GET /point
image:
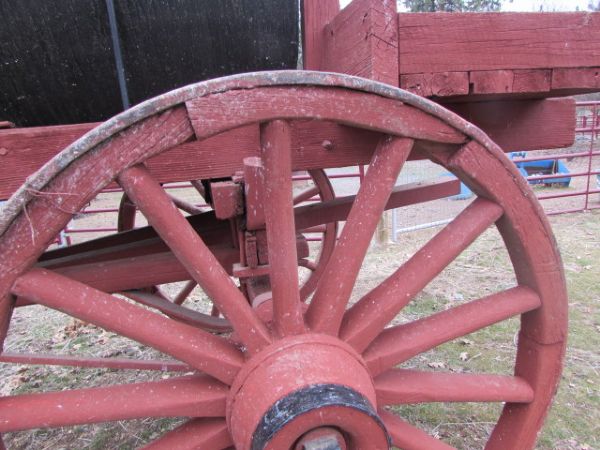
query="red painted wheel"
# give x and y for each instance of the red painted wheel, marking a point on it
(324, 376)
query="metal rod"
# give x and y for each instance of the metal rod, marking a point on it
(114, 34)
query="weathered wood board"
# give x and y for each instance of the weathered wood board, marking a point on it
(466, 56)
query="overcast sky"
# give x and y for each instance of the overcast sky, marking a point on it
(529, 5)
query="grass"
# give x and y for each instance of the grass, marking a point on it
(572, 424)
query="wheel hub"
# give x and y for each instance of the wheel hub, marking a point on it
(305, 392)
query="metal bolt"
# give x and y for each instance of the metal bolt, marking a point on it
(3, 151)
(327, 145)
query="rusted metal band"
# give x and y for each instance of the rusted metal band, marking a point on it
(305, 400)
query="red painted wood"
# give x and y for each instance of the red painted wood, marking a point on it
(187, 290)
(50, 211)
(403, 386)
(409, 437)
(400, 343)
(570, 79)
(316, 14)
(368, 317)
(177, 312)
(214, 114)
(305, 195)
(209, 434)
(209, 353)
(522, 225)
(491, 81)
(362, 40)
(546, 325)
(534, 362)
(138, 272)
(30, 148)
(276, 142)
(404, 195)
(331, 297)
(508, 81)
(227, 199)
(441, 84)
(196, 396)
(523, 124)
(100, 363)
(434, 42)
(194, 255)
(532, 80)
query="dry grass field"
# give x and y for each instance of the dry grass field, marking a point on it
(573, 423)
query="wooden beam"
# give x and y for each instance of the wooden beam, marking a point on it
(316, 14)
(443, 84)
(438, 42)
(362, 40)
(514, 125)
(523, 124)
(566, 80)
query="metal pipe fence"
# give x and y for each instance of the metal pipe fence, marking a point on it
(557, 196)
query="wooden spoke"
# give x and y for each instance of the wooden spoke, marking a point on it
(195, 396)
(306, 195)
(276, 144)
(365, 320)
(126, 216)
(90, 362)
(329, 302)
(185, 292)
(197, 184)
(398, 386)
(186, 315)
(402, 342)
(195, 347)
(310, 265)
(186, 206)
(315, 229)
(199, 261)
(205, 434)
(409, 437)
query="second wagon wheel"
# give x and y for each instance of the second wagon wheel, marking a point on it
(313, 187)
(326, 376)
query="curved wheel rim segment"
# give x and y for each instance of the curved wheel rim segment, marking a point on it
(345, 355)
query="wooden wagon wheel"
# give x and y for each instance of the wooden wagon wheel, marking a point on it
(326, 376)
(320, 189)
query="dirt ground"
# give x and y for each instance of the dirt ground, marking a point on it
(484, 268)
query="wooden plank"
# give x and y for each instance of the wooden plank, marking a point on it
(580, 78)
(438, 42)
(362, 40)
(515, 125)
(534, 80)
(523, 124)
(316, 14)
(213, 114)
(491, 81)
(443, 84)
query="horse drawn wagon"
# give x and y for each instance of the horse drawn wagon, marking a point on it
(282, 362)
